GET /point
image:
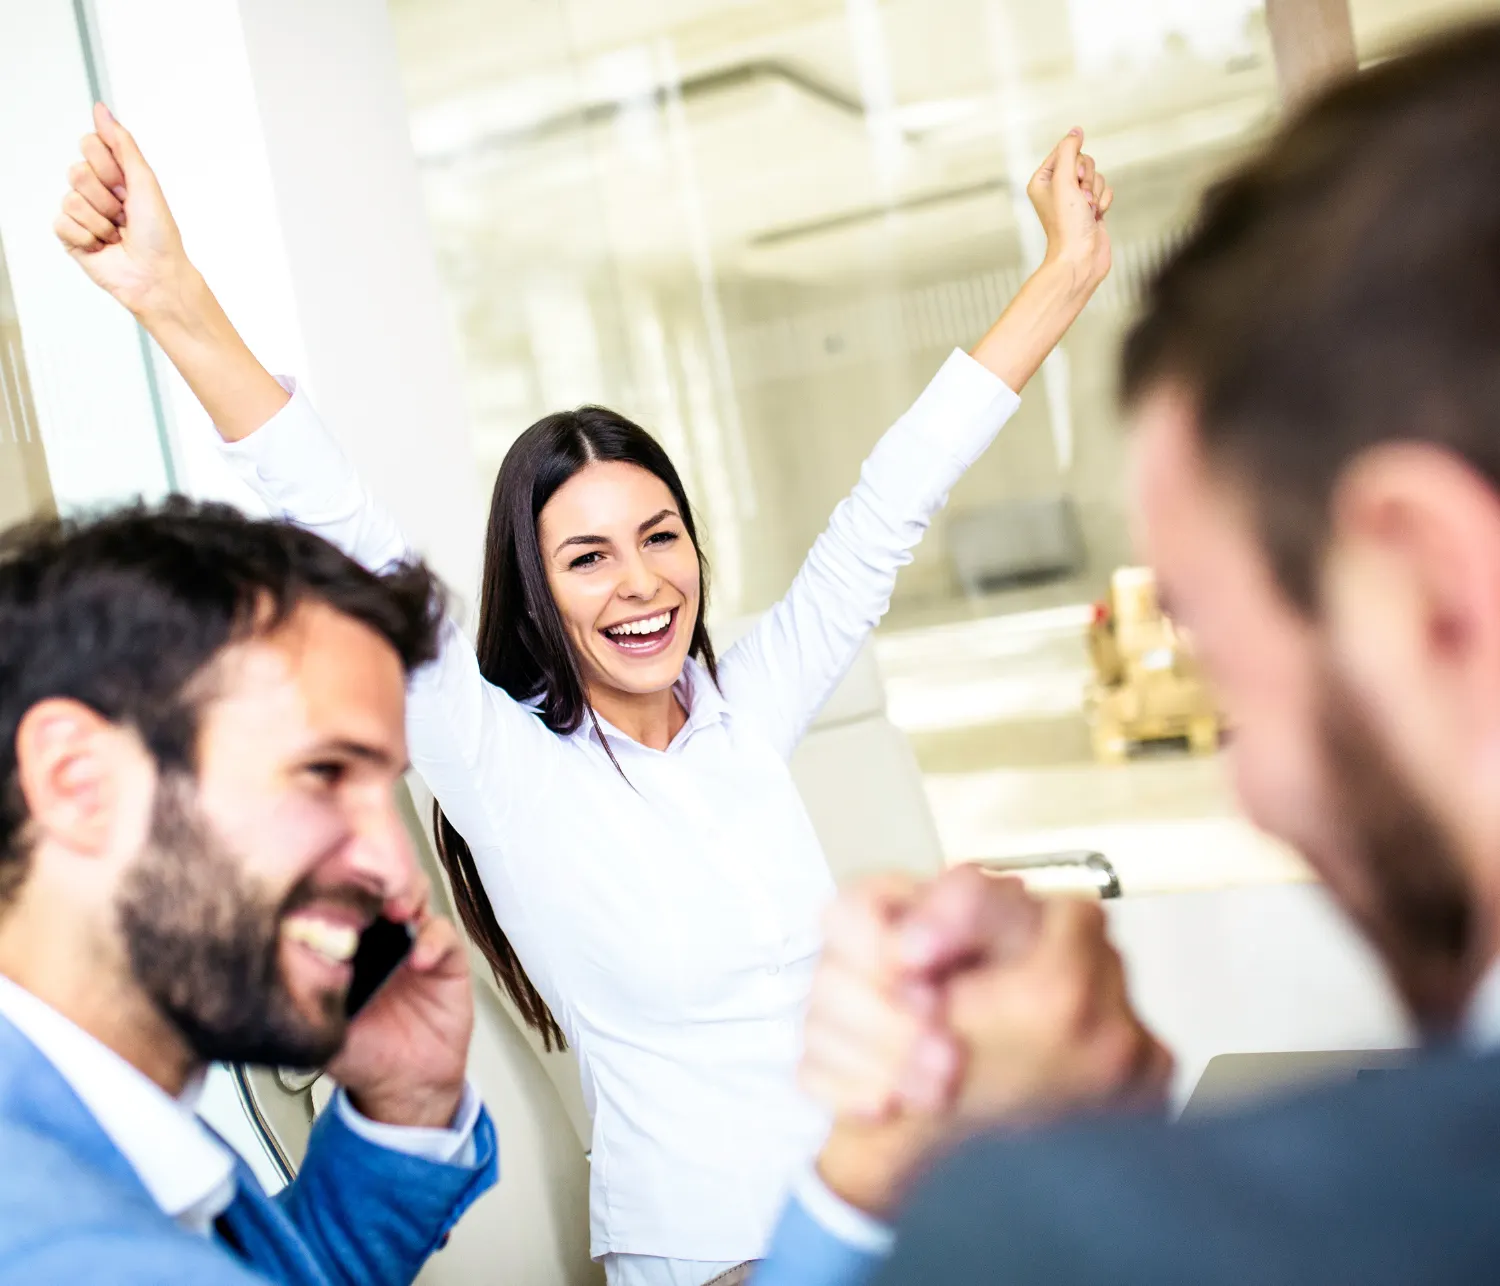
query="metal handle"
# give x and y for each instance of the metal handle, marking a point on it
(294, 1081)
(280, 1161)
(1095, 867)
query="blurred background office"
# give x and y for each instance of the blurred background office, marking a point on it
(756, 226)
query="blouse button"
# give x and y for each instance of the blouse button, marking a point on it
(773, 970)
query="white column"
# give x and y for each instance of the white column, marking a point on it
(278, 129)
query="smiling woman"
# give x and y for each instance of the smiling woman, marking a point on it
(617, 816)
(567, 555)
(591, 541)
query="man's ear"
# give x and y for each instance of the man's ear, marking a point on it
(1413, 594)
(75, 770)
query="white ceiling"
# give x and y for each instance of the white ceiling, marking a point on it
(779, 134)
(805, 139)
(624, 192)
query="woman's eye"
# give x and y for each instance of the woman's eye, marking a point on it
(584, 560)
(662, 538)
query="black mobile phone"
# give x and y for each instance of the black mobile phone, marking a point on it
(382, 948)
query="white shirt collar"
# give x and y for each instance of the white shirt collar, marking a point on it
(696, 690)
(186, 1169)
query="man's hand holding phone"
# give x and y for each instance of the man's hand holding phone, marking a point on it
(404, 1060)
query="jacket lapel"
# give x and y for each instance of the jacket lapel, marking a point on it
(34, 1092)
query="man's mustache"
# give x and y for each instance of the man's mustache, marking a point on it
(362, 901)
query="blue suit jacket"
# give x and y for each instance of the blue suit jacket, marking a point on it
(72, 1210)
(1393, 1181)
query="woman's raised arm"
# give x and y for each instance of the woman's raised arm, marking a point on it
(465, 734)
(116, 224)
(783, 671)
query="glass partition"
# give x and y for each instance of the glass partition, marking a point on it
(25, 489)
(80, 424)
(758, 228)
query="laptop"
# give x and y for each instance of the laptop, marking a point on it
(1234, 1080)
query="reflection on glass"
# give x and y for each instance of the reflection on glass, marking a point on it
(24, 488)
(758, 228)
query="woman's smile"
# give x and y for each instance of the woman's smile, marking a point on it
(626, 579)
(644, 636)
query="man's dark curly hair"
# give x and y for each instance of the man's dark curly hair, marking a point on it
(122, 612)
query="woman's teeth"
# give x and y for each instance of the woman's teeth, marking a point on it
(651, 625)
(334, 942)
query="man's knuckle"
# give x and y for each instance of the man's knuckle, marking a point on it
(1073, 1009)
(1090, 915)
(1061, 1001)
(903, 1031)
(1122, 1050)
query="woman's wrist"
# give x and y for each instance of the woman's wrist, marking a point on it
(195, 333)
(1047, 304)
(1070, 274)
(181, 309)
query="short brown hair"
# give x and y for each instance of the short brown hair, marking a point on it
(1342, 290)
(121, 612)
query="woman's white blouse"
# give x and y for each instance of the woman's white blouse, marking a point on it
(672, 922)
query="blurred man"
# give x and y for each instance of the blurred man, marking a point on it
(201, 730)
(1316, 385)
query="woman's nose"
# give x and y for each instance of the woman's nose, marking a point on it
(639, 580)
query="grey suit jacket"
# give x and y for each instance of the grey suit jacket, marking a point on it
(1392, 1181)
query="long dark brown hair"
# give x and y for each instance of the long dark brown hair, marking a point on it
(523, 645)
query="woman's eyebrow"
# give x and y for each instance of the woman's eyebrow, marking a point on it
(581, 540)
(604, 540)
(651, 522)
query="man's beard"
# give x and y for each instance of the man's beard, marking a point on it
(204, 944)
(1415, 904)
